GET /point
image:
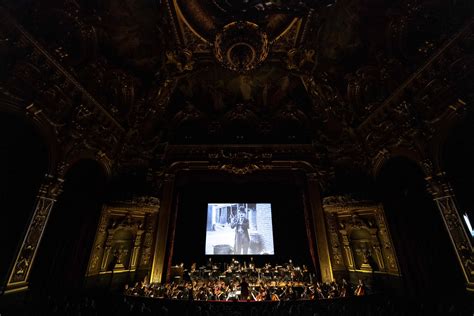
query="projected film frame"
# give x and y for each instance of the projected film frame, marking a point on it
(239, 229)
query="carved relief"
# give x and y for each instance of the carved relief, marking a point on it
(412, 114)
(301, 60)
(148, 239)
(47, 195)
(124, 236)
(443, 195)
(179, 62)
(362, 230)
(241, 46)
(239, 162)
(366, 89)
(336, 250)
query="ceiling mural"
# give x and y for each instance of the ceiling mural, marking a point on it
(125, 79)
(261, 102)
(208, 17)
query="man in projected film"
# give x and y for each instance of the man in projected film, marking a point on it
(242, 238)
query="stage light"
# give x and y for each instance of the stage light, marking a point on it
(468, 223)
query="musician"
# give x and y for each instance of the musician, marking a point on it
(242, 238)
(360, 289)
(251, 264)
(244, 290)
(289, 265)
(333, 290)
(262, 294)
(319, 291)
(274, 296)
(209, 264)
(345, 289)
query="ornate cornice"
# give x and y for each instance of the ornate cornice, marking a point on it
(239, 162)
(144, 203)
(80, 124)
(340, 202)
(399, 115)
(27, 39)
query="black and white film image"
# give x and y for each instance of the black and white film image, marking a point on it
(239, 229)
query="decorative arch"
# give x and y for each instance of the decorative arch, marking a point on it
(385, 155)
(31, 114)
(239, 161)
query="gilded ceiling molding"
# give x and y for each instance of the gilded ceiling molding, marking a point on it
(80, 126)
(240, 163)
(444, 127)
(289, 33)
(182, 19)
(28, 39)
(205, 17)
(424, 74)
(241, 46)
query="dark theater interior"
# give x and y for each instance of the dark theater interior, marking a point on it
(237, 157)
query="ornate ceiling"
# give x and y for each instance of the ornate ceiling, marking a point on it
(128, 80)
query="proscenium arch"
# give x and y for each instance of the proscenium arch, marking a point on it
(312, 203)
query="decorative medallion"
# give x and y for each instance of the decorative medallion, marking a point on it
(241, 46)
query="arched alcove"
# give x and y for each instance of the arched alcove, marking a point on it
(360, 241)
(24, 163)
(64, 251)
(426, 257)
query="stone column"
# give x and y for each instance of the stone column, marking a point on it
(136, 249)
(149, 236)
(319, 227)
(334, 243)
(376, 248)
(107, 250)
(347, 250)
(98, 249)
(157, 270)
(444, 198)
(385, 243)
(21, 269)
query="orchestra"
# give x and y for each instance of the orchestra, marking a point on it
(245, 282)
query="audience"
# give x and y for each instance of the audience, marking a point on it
(134, 305)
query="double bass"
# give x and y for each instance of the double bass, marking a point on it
(360, 289)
